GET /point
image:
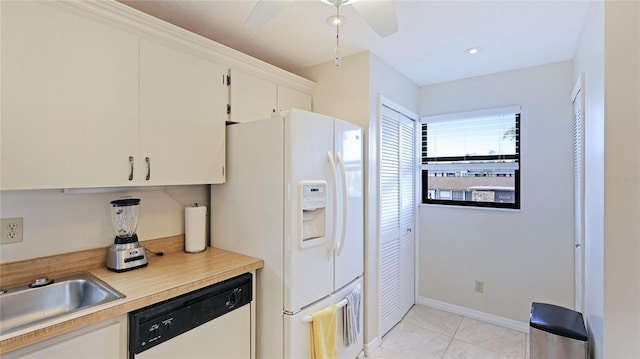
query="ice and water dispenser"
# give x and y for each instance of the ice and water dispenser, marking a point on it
(313, 214)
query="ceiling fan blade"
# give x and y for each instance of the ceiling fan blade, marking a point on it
(265, 11)
(379, 14)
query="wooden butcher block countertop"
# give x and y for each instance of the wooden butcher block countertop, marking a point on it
(165, 277)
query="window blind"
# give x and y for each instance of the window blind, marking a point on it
(472, 139)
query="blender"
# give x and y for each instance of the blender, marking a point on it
(126, 253)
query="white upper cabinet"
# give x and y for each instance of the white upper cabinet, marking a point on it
(86, 103)
(97, 94)
(183, 109)
(252, 98)
(69, 110)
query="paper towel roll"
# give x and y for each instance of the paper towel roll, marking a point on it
(195, 219)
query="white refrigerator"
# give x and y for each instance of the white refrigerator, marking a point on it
(294, 197)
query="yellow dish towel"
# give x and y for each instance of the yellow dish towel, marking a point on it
(323, 334)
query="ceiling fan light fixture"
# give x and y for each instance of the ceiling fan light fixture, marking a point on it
(336, 20)
(336, 2)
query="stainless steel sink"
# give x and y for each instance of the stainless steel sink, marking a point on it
(28, 304)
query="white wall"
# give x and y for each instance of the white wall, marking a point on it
(622, 180)
(351, 92)
(522, 256)
(342, 91)
(388, 82)
(56, 223)
(609, 59)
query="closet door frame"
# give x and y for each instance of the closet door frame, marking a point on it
(385, 102)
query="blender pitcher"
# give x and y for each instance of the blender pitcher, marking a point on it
(124, 216)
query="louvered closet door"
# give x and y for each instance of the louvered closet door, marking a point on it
(407, 254)
(397, 211)
(578, 156)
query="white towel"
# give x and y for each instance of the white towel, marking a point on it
(351, 318)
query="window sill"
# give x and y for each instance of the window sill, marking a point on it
(433, 205)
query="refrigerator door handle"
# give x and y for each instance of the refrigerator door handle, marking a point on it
(334, 175)
(343, 175)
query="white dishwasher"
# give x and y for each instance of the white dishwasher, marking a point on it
(212, 322)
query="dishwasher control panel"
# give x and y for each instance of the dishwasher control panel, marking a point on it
(162, 321)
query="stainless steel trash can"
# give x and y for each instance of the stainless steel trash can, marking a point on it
(556, 332)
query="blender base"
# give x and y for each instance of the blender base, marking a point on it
(125, 257)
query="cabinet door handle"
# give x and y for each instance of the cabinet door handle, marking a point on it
(148, 160)
(130, 168)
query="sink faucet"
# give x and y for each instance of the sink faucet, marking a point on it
(40, 282)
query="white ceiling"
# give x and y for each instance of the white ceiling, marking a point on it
(428, 48)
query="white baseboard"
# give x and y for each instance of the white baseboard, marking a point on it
(475, 314)
(371, 347)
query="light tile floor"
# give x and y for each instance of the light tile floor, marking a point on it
(427, 333)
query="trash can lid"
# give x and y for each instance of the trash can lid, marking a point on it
(558, 320)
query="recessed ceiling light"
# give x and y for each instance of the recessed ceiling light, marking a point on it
(336, 20)
(473, 50)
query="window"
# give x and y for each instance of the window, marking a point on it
(472, 158)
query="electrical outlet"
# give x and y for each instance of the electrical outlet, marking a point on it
(11, 230)
(479, 286)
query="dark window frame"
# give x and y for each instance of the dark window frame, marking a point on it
(467, 203)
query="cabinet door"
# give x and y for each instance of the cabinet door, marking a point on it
(105, 340)
(182, 116)
(251, 98)
(69, 111)
(288, 99)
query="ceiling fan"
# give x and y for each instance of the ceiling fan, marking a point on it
(378, 14)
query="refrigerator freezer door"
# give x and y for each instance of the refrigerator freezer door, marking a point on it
(308, 270)
(297, 330)
(349, 255)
